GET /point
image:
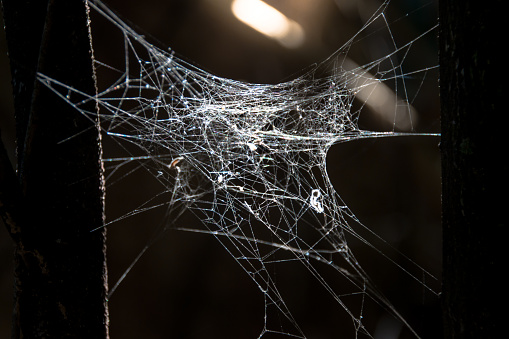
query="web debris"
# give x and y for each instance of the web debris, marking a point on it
(248, 159)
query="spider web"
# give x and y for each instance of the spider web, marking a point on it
(250, 161)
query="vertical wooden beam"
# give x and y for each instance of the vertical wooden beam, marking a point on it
(473, 93)
(60, 265)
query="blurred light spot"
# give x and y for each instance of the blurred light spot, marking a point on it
(269, 21)
(387, 328)
(381, 98)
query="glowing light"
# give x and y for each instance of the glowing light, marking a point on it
(381, 98)
(269, 21)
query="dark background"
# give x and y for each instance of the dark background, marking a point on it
(187, 285)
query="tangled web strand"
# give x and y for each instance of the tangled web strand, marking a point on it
(248, 159)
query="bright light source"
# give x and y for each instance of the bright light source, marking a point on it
(269, 21)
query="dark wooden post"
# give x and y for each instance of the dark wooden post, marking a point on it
(473, 90)
(57, 199)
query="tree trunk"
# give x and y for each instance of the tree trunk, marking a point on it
(474, 171)
(60, 265)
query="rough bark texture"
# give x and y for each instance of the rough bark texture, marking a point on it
(474, 174)
(60, 265)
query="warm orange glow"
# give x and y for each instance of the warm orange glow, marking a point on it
(269, 21)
